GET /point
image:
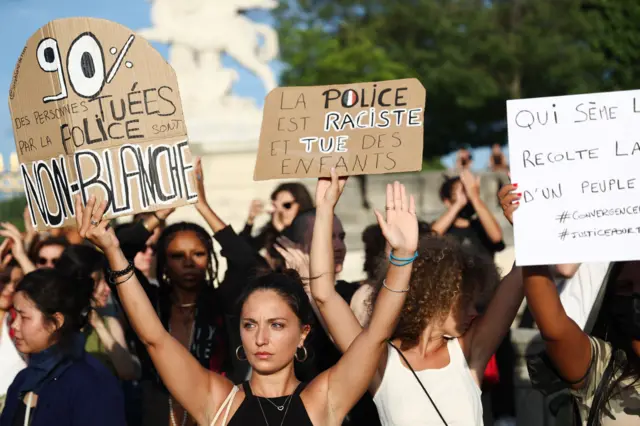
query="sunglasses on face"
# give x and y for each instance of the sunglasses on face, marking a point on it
(45, 261)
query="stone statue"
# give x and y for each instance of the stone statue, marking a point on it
(198, 33)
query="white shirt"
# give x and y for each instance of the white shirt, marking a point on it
(10, 360)
(579, 293)
(402, 402)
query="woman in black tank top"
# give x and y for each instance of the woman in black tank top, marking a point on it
(284, 410)
(275, 319)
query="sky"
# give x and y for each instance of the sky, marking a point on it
(19, 19)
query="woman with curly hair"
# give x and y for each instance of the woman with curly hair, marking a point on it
(431, 371)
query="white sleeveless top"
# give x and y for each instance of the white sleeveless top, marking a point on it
(402, 402)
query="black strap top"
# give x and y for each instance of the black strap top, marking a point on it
(258, 411)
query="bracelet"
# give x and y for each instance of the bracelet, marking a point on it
(115, 274)
(157, 217)
(384, 284)
(117, 283)
(399, 261)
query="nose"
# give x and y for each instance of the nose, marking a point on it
(262, 336)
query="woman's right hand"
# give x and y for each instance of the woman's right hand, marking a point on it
(509, 200)
(92, 226)
(12, 233)
(328, 190)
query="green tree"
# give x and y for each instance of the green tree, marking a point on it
(471, 55)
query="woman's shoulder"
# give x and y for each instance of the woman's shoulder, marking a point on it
(88, 372)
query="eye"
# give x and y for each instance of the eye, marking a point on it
(175, 256)
(200, 253)
(248, 325)
(277, 325)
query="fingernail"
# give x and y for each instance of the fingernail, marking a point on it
(515, 185)
(519, 194)
(516, 202)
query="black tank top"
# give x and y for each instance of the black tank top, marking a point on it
(257, 411)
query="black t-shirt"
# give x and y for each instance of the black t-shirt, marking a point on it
(476, 238)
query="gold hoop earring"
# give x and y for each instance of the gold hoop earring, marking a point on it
(305, 354)
(238, 354)
(165, 278)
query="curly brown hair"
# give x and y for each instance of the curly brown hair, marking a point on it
(444, 275)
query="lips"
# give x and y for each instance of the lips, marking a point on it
(263, 355)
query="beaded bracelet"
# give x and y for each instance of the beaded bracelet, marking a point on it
(117, 283)
(115, 274)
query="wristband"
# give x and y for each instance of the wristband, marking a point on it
(115, 274)
(400, 261)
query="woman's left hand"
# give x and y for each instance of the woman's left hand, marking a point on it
(202, 196)
(293, 256)
(92, 226)
(400, 228)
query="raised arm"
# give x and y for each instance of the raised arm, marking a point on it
(487, 333)
(567, 345)
(342, 325)
(444, 222)
(349, 379)
(200, 391)
(489, 223)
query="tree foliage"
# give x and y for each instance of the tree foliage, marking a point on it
(471, 55)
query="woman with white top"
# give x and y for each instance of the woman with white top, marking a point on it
(432, 368)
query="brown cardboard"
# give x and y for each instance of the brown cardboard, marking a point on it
(89, 93)
(292, 115)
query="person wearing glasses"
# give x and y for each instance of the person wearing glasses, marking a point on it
(287, 201)
(47, 252)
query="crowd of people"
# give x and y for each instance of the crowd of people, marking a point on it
(132, 323)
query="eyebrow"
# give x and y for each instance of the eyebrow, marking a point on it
(269, 320)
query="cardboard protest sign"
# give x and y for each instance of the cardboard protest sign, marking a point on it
(363, 128)
(575, 160)
(96, 110)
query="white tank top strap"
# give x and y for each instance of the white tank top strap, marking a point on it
(226, 407)
(456, 353)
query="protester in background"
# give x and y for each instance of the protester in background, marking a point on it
(497, 160)
(45, 253)
(276, 319)
(104, 334)
(62, 384)
(287, 200)
(602, 370)
(467, 218)
(438, 328)
(464, 160)
(11, 361)
(145, 260)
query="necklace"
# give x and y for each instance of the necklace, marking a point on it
(185, 415)
(185, 305)
(287, 402)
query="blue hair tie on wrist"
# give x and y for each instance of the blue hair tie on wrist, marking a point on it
(400, 261)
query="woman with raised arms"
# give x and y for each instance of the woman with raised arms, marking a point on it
(431, 371)
(275, 320)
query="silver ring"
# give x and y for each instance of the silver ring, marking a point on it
(94, 222)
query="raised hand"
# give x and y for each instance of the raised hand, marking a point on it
(92, 226)
(509, 200)
(202, 197)
(163, 214)
(12, 233)
(293, 256)
(460, 196)
(400, 228)
(470, 183)
(328, 190)
(255, 209)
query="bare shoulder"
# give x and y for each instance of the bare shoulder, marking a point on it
(315, 398)
(220, 395)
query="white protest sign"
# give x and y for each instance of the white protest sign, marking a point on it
(576, 162)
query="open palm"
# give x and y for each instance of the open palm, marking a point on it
(400, 228)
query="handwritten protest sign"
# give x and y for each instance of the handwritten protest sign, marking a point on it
(575, 160)
(364, 128)
(96, 110)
